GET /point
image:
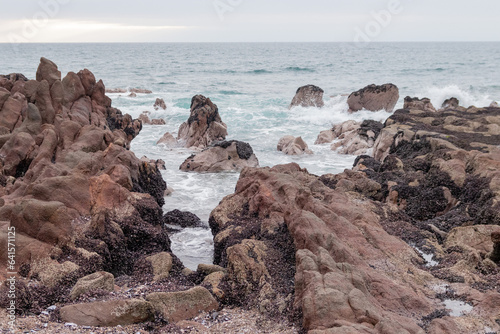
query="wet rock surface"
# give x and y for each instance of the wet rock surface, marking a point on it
(221, 156)
(204, 125)
(336, 252)
(291, 145)
(354, 138)
(308, 96)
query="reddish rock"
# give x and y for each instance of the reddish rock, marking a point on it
(204, 125)
(221, 156)
(47, 70)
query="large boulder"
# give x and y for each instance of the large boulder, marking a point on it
(374, 98)
(308, 96)
(177, 306)
(204, 125)
(293, 146)
(108, 313)
(222, 156)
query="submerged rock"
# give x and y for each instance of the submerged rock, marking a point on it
(204, 125)
(221, 156)
(374, 98)
(308, 96)
(159, 103)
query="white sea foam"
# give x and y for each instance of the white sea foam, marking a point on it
(439, 94)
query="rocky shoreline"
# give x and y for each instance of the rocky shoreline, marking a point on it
(294, 252)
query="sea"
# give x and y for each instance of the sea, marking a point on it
(253, 85)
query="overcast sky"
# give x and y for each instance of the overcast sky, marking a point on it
(248, 20)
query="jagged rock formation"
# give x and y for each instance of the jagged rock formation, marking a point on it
(204, 125)
(374, 98)
(337, 251)
(308, 96)
(79, 199)
(221, 156)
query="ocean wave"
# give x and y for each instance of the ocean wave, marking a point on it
(299, 69)
(230, 92)
(466, 97)
(260, 71)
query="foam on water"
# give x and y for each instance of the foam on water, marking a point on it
(466, 97)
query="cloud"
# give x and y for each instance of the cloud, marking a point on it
(61, 30)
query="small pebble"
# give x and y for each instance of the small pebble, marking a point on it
(51, 308)
(70, 324)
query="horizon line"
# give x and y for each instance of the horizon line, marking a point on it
(254, 42)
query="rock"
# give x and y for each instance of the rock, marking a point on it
(168, 140)
(162, 264)
(308, 96)
(207, 269)
(140, 91)
(221, 156)
(67, 176)
(495, 254)
(158, 121)
(100, 280)
(176, 306)
(144, 117)
(132, 94)
(204, 125)
(325, 137)
(115, 90)
(312, 252)
(182, 219)
(493, 104)
(213, 282)
(477, 237)
(374, 98)
(51, 273)
(451, 103)
(419, 104)
(159, 103)
(47, 70)
(108, 313)
(293, 146)
(88, 81)
(354, 138)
